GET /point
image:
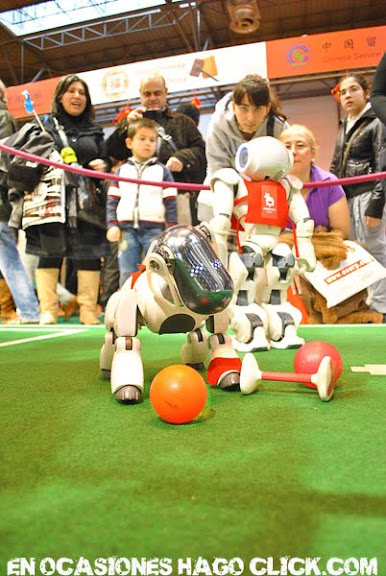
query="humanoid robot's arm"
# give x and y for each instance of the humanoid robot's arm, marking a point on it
(223, 183)
(305, 258)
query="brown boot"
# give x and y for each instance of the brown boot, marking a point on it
(46, 284)
(7, 305)
(88, 291)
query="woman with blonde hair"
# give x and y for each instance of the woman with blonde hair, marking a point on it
(327, 205)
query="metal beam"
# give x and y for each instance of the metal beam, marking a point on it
(108, 27)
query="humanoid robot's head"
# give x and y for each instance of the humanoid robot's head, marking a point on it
(188, 264)
(264, 158)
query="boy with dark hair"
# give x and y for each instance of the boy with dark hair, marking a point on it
(138, 213)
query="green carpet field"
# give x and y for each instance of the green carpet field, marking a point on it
(257, 485)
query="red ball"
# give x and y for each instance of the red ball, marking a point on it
(309, 356)
(178, 394)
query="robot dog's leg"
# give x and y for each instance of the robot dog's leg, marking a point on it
(248, 319)
(224, 367)
(108, 348)
(121, 352)
(283, 318)
(195, 351)
(127, 379)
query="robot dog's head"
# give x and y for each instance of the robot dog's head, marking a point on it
(264, 158)
(203, 284)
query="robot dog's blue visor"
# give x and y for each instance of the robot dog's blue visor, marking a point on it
(203, 283)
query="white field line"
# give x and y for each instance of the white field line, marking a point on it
(44, 337)
(373, 369)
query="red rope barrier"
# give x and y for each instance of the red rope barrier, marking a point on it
(179, 185)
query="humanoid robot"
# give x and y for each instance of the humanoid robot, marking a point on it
(262, 198)
(183, 285)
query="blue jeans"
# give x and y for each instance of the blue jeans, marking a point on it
(15, 275)
(374, 240)
(133, 247)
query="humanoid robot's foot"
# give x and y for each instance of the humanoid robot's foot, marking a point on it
(230, 382)
(249, 324)
(259, 343)
(128, 395)
(289, 340)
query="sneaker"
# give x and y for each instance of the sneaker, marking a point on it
(18, 320)
(48, 318)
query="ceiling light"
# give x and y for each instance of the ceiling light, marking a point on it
(244, 15)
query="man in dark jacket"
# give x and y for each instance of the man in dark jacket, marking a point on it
(180, 145)
(13, 276)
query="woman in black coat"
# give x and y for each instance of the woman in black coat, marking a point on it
(82, 235)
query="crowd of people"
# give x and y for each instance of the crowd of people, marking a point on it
(86, 236)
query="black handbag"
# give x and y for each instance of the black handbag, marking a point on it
(91, 201)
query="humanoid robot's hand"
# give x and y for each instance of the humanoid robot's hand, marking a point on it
(306, 261)
(220, 225)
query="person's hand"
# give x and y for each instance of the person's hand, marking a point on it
(372, 222)
(98, 165)
(174, 164)
(135, 114)
(113, 234)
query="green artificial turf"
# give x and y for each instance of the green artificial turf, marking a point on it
(277, 473)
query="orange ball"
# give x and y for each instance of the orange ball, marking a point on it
(178, 394)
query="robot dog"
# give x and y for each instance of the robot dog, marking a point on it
(262, 199)
(182, 285)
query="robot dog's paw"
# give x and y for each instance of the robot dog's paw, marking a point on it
(224, 373)
(197, 366)
(230, 382)
(128, 395)
(106, 374)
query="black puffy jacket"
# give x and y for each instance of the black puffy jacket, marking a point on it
(364, 158)
(187, 143)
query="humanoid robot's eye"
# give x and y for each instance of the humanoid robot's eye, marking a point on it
(243, 157)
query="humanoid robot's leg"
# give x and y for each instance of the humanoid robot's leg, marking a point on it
(249, 324)
(283, 318)
(248, 319)
(195, 351)
(283, 323)
(224, 367)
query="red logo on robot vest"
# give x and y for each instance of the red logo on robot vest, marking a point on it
(267, 203)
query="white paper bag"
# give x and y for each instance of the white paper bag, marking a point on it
(354, 274)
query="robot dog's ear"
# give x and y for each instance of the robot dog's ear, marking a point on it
(160, 261)
(206, 230)
(168, 256)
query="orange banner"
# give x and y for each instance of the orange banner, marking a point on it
(362, 48)
(41, 94)
(345, 50)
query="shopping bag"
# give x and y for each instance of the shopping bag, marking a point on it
(357, 272)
